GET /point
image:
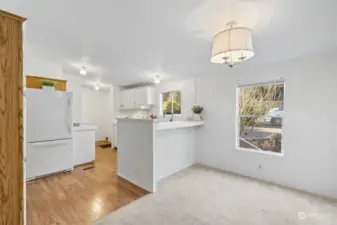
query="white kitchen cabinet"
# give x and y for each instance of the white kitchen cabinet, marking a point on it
(132, 97)
(150, 96)
(124, 99)
(141, 97)
(84, 144)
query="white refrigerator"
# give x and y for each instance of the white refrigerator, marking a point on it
(49, 132)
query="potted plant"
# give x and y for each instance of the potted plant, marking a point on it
(46, 84)
(197, 110)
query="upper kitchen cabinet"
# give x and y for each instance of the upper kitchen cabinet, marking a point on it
(136, 98)
(124, 98)
(139, 96)
(35, 82)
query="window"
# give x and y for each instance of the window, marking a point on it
(260, 117)
(171, 102)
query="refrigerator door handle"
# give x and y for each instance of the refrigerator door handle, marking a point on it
(49, 143)
(67, 116)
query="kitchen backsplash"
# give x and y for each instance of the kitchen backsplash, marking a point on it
(133, 113)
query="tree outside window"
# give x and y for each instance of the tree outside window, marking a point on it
(171, 102)
(261, 117)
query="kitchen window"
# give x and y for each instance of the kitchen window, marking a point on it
(171, 103)
(260, 110)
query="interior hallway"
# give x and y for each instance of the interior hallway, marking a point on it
(82, 196)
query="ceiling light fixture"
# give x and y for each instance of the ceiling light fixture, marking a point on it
(97, 87)
(156, 79)
(83, 70)
(232, 46)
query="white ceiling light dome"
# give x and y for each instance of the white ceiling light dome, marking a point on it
(232, 46)
(83, 70)
(156, 79)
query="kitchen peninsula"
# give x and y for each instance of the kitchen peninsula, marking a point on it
(150, 150)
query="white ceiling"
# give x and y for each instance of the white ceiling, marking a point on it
(124, 41)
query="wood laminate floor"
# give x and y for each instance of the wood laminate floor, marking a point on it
(82, 196)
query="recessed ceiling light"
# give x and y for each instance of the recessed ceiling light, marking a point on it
(83, 70)
(96, 87)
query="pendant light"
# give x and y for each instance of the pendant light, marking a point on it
(232, 46)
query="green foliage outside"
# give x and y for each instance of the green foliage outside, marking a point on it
(258, 101)
(172, 99)
(47, 83)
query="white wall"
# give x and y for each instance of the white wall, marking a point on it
(136, 152)
(309, 129)
(36, 65)
(97, 108)
(175, 150)
(88, 105)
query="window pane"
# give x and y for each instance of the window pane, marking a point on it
(263, 93)
(262, 100)
(176, 103)
(167, 103)
(171, 103)
(260, 133)
(257, 108)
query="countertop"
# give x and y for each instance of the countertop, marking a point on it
(135, 118)
(161, 124)
(178, 124)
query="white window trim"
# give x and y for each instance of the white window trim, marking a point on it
(161, 103)
(237, 118)
(260, 151)
(267, 83)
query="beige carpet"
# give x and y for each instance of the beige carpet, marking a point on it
(200, 195)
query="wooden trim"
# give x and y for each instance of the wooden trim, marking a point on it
(100, 142)
(46, 78)
(11, 117)
(103, 143)
(12, 16)
(35, 82)
(85, 164)
(21, 124)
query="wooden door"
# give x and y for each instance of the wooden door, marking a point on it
(11, 125)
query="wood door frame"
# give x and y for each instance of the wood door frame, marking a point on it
(11, 115)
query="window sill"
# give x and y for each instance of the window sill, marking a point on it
(261, 152)
(169, 115)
